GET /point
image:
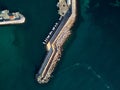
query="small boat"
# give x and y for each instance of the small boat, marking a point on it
(11, 18)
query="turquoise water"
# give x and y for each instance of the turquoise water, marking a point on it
(90, 60)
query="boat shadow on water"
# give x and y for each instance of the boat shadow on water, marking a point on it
(2, 6)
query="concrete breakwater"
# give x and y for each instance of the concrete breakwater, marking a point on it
(56, 39)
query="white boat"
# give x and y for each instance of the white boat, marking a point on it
(11, 18)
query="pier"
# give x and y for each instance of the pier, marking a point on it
(56, 38)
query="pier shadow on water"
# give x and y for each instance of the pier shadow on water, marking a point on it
(74, 29)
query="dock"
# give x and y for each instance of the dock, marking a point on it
(56, 38)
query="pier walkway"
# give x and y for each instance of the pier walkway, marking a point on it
(54, 45)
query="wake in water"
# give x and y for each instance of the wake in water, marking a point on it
(98, 76)
(88, 68)
(74, 66)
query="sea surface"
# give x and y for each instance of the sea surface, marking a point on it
(91, 56)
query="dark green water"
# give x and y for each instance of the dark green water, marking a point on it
(90, 60)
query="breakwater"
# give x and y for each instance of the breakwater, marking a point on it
(56, 39)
